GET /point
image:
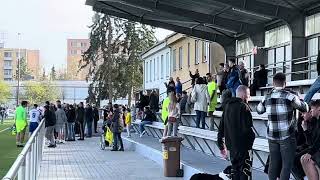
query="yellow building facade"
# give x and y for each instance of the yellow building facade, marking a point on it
(189, 54)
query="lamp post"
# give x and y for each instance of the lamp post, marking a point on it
(18, 76)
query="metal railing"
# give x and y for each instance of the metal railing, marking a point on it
(27, 164)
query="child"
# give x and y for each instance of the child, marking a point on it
(128, 121)
(174, 114)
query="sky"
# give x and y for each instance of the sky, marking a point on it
(46, 24)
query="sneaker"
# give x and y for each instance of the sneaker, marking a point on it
(114, 150)
(143, 133)
(226, 174)
(51, 146)
(121, 149)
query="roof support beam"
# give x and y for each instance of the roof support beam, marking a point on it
(221, 39)
(228, 24)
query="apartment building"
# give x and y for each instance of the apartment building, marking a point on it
(75, 49)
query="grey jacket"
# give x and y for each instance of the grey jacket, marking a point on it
(61, 117)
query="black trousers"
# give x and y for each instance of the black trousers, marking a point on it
(241, 165)
(117, 139)
(95, 125)
(81, 129)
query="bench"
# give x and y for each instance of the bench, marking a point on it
(206, 141)
(155, 129)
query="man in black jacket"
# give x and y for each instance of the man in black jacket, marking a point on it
(236, 128)
(95, 118)
(89, 119)
(310, 161)
(50, 122)
(149, 117)
(71, 117)
(80, 120)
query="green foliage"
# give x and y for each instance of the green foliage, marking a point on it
(5, 92)
(25, 73)
(39, 92)
(114, 61)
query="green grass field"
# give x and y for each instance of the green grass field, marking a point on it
(8, 148)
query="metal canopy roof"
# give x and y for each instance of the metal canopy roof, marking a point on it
(222, 21)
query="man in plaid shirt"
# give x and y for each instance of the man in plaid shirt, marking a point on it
(280, 105)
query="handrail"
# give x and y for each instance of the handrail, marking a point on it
(27, 164)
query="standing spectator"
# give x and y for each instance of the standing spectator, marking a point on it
(95, 118)
(316, 85)
(173, 117)
(233, 79)
(165, 113)
(260, 79)
(117, 128)
(71, 117)
(21, 123)
(154, 101)
(221, 76)
(61, 120)
(128, 121)
(149, 117)
(201, 99)
(244, 74)
(170, 85)
(212, 90)
(279, 105)
(80, 120)
(89, 119)
(178, 86)
(236, 127)
(194, 77)
(2, 113)
(143, 101)
(183, 102)
(34, 116)
(50, 122)
(310, 161)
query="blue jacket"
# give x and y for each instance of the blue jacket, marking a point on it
(233, 80)
(179, 88)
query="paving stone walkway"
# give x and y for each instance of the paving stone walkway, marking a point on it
(84, 160)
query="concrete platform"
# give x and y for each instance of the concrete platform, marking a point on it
(84, 160)
(192, 161)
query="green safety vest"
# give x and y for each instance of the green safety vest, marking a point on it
(212, 86)
(165, 111)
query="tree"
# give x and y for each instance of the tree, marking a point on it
(44, 76)
(5, 92)
(25, 73)
(53, 74)
(113, 57)
(39, 92)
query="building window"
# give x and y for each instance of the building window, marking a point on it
(167, 65)
(73, 52)
(312, 24)
(7, 72)
(277, 36)
(180, 57)
(150, 69)
(146, 71)
(174, 60)
(7, 54)
(73, 44)
(154, 69)
(205, 51)
(244, 46)
(7, 63)
(188, 54)
(158, 68)
(83, 44)
(162, 67)
(196, 52)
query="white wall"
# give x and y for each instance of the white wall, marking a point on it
(156, 69)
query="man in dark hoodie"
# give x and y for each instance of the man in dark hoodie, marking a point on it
(236, 128)
(316, 85)
(50, 122)
(80, 120)
(89, 119)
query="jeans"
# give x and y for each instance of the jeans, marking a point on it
(117, 139)
(201, 116)
(89, 128)
(313, 90)
(141, 125)
(282, 155)
(173, 128)
(70, 131)
(241, 165)
(49, 134)
(81, 129)
(233, 92)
